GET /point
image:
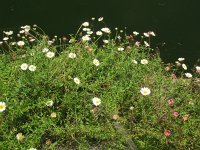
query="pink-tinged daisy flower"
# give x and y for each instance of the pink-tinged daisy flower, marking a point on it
(137, 43)
(151, 33)
(171, 101)
(167, 132)
(176, 114)
(198, 69)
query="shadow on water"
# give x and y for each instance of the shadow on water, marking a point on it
(175, 22)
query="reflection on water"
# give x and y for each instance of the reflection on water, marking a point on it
(175, 22)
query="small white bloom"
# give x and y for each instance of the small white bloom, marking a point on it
(198, 68)
(20, 43)
(99, 33)
(184, 66)
(145, 91)
(8, 33)
(181, 59)
(32, 68)
(106, 30)
(137, 43)
(135, 62)
(86, 38)
(45, 50)
(151, 33)
(24, 66)
(26, 28)
(2, 106)
(93, 18)
(100, 19)
(106, 41)
(146, 44)
(144, 61)
(50, 54)
(131, 108)
(120, 49)
(1, 42)
(188, 75)
(21, 32)
(49, 103)
(32, 40)
(76, 80)
(96, 62)
(19, 136)
(146, 34)
(86, 29)
(72, 55)
(116, 28)
(135, 33)
(32, 149)
(121, 31)
(89, 32)
(96, 101)
(85, 24)
(50, 42)
(13, 43)
(6, 38)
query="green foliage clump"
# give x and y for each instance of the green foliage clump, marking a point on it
(53, 111)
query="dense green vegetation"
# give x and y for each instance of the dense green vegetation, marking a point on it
(87, 93)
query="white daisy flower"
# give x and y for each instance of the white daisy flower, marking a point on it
(146, 34)
(89, 32)
(32, 68)
(50, 54)
(1, 42)
(76, 80)
(24, 66)
(146, 44)
(86, 24)
(145, 91)
(32, 149)
(13, 43)
(19, 136)
(144, 61)
(45, 50)
(188, 75)
(53, 115)
(135, 62)
(96, 101)
(50, 42)
(93, 18)
(8, 33)
(20, 43)
(21, 32)
(106, 30)
(86, 29)
(181, 59)
(100, 19)
(86, 38)
(151, 33)
(120, 49)
(99, 33)
(135, 33)
(96, 62)
(184, 66)
(198, 68)
(49, 103)
(5, 38)
(106, 41)
(72, 55)
(2, 106)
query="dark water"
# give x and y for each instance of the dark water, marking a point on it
(176, 22)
